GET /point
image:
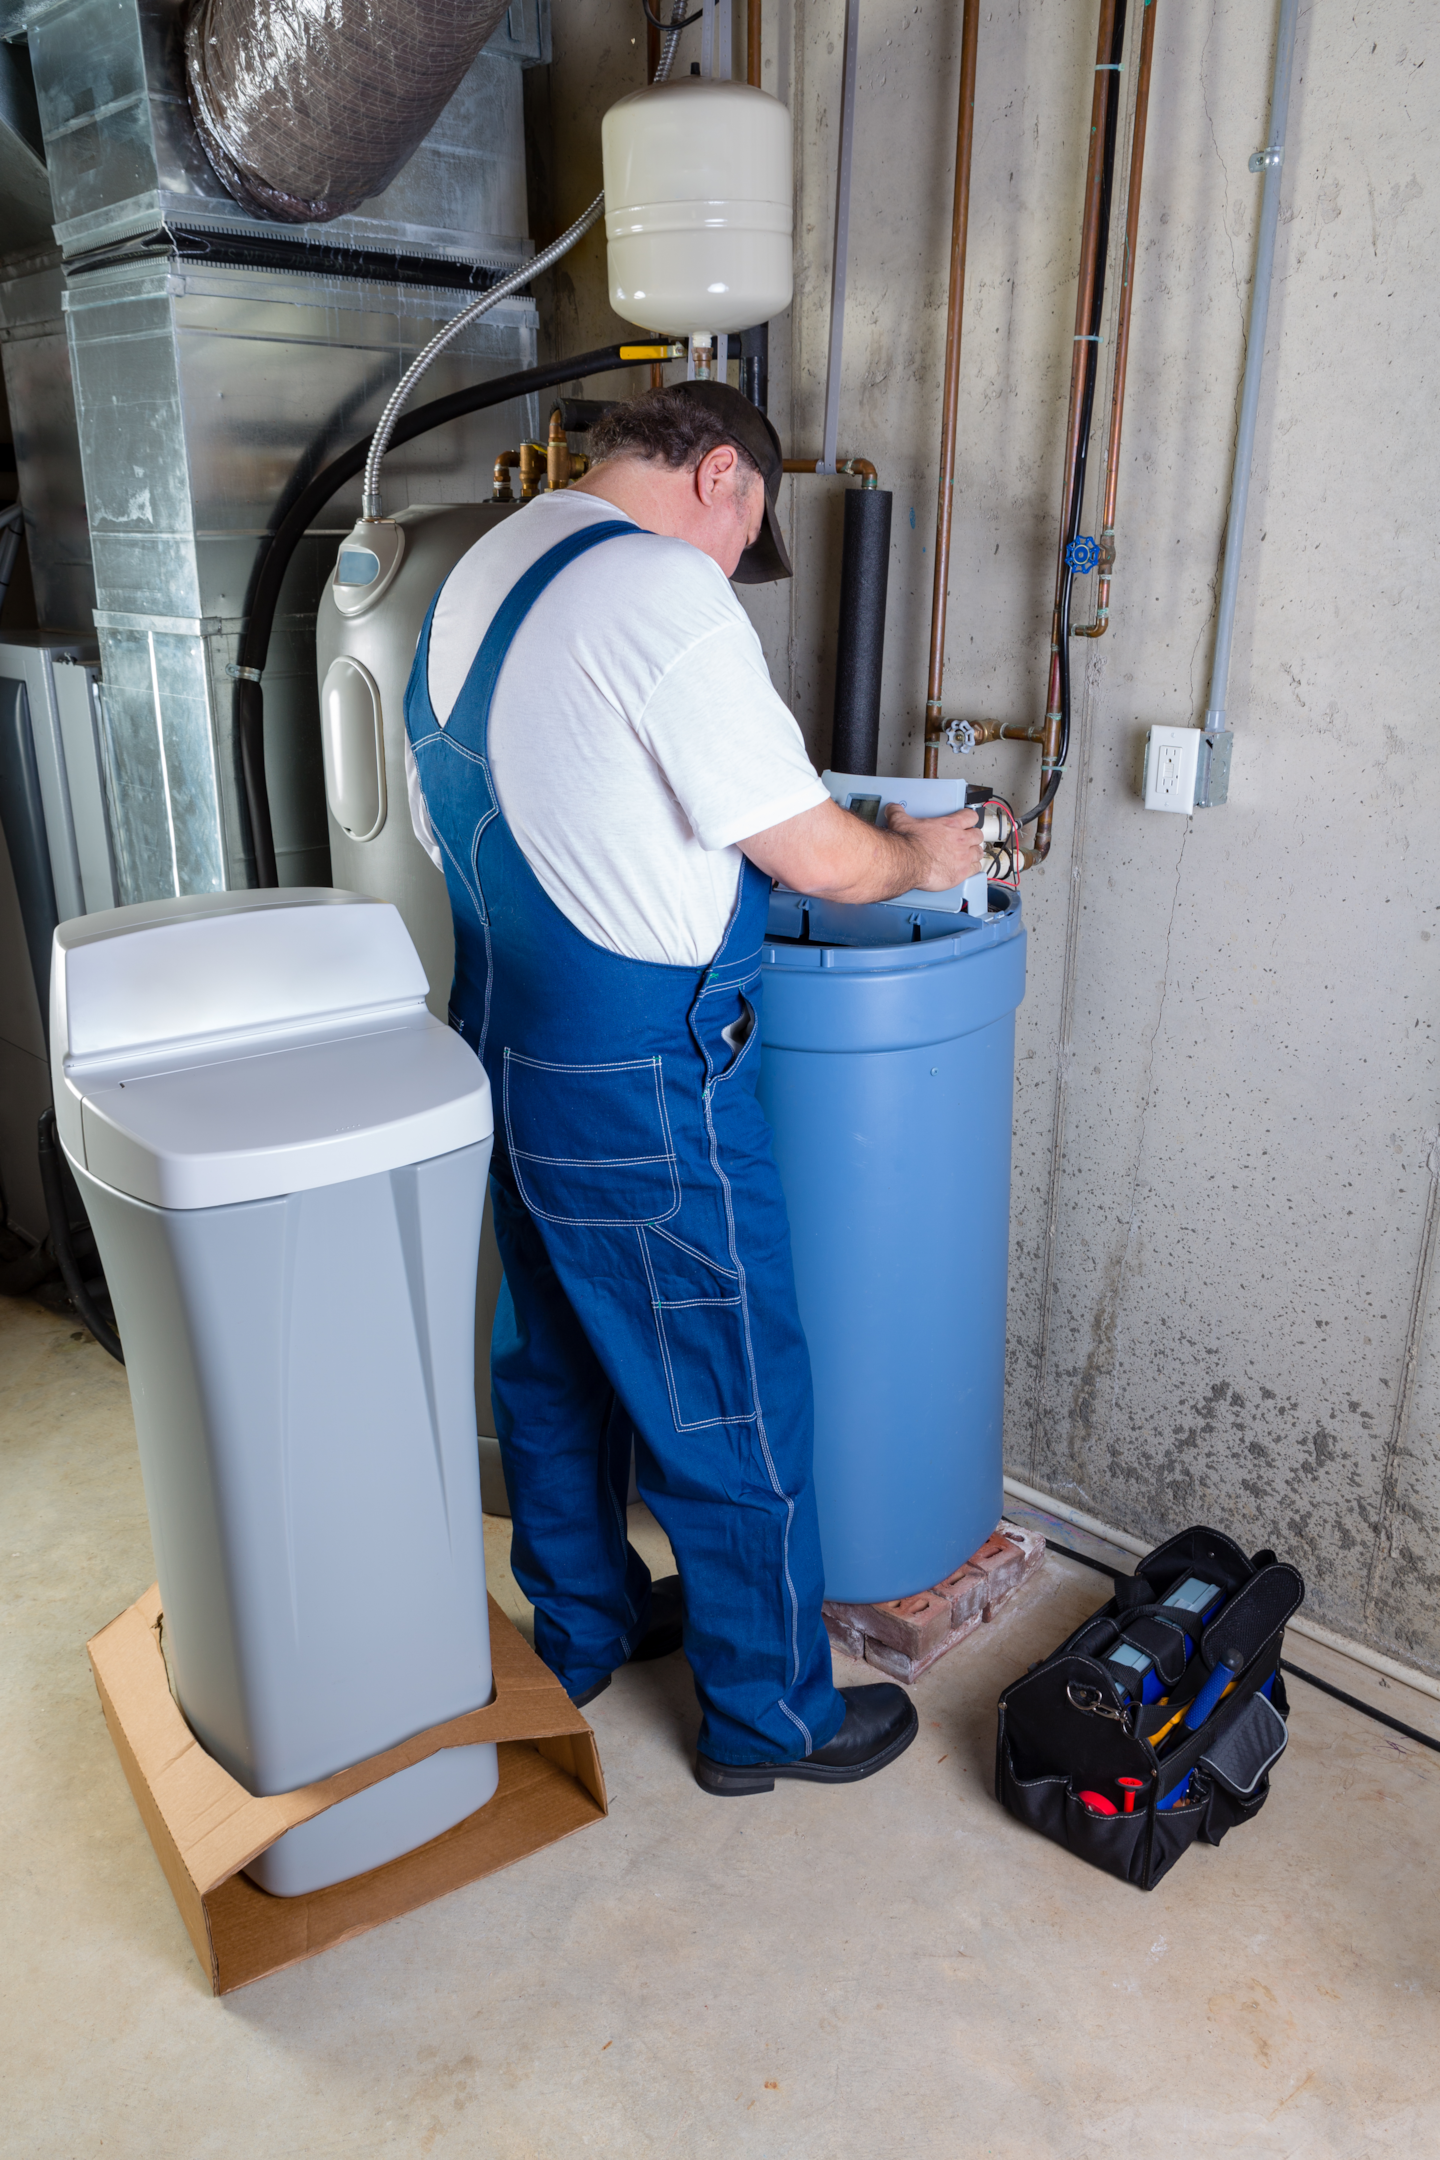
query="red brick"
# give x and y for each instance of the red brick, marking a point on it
(845, 1632)
(966, 1590)
(911, 1625)
(1019, 1553)
(1003, 1566)
(900, 1667)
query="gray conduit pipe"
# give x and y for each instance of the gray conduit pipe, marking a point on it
(1214, 777)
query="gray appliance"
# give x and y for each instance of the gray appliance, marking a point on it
(55, 860)
(284, 1157)
(365, 636)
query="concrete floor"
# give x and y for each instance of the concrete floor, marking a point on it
(889, 1969)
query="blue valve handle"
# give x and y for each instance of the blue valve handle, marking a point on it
(1213, 1689)
(1082, 555)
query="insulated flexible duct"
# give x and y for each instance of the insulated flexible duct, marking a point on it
(864, 575)
(305, 112)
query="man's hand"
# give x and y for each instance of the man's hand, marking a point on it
(834, 855)
(950, 847)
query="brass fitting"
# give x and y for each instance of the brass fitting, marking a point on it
(562, 464)
(532, 470)
(557, 452)
(1102, 595)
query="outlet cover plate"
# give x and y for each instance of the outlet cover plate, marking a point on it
(1172, 761)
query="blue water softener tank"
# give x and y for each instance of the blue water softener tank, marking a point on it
(888, 1079)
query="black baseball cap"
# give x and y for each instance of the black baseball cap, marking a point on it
(745, 425)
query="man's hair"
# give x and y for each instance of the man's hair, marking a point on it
(669, 429)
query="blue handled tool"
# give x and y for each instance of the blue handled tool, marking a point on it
(1216, 1683)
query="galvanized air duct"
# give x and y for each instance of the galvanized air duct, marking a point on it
(306, 112)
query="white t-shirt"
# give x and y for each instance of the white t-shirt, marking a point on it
(635, 735)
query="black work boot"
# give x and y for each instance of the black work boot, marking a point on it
(880, 1723)
(661, 1638)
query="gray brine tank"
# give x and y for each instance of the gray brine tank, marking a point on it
(284, 1159)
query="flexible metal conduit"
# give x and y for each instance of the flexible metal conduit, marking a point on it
(370, 502)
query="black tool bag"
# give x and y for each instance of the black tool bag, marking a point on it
(1067, 1727)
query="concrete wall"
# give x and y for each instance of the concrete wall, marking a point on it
(1227, 1158)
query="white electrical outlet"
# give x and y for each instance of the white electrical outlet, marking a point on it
(1172, 759)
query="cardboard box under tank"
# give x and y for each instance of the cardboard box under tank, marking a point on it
(205, 1827)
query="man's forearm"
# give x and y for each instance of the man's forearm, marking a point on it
(835, 855)
(887, 865)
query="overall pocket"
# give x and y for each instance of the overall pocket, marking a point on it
(591, 1144)
(700, 1324)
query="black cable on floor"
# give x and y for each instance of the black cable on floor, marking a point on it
(1297, 1672)
(1381, 1717)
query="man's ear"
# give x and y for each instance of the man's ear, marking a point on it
(712, 468)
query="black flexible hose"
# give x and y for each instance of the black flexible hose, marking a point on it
(52, 1184)
(1087, 409)
(277, 548)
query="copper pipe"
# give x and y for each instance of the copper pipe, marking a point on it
(652, 50)
(858, 467)
(950, 391)
(531, 459)
(1122, 327)
(1084, 307)
(988, 731)
(557, 452)
(752, 44)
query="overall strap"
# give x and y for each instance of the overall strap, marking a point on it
(469, 720)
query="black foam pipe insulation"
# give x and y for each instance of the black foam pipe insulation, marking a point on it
(864, 576)
(755, 364)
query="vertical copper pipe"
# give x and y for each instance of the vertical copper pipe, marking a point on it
(950, 393)
(752, 44)
(652, 50)
(1122, 327)
(1084, 307)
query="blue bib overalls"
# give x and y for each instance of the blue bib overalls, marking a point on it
(648, 1282)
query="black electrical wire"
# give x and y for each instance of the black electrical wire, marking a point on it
(1071, 526)
(669, 27)
(1381, 1717)
(53, 1186)
(1296, 1672)
(277, 548)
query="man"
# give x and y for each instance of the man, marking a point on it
(610, 784)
